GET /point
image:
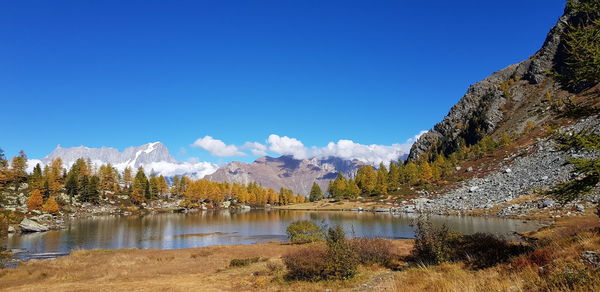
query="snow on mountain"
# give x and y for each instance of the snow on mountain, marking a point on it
(152, 156)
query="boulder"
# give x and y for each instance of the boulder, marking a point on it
(11, 229)
(473, 189)
(547, 203)
(28, 225)
(580, 208)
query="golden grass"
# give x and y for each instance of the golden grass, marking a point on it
(194, 269)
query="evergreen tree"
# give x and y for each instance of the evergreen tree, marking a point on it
(315, 193)
(36, 180)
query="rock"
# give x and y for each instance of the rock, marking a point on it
(470, 169)
(547, 203)
(591, 258)
(458, 168)
(226, 204)
(580, 208)
(382, 210)
(508, 170)
(545, 177)
(245, 207)
(488, 206)
(11, 229)
(31, 226)
(473, 189)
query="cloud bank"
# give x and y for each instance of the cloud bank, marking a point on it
(284, 145)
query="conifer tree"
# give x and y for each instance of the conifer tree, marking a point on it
(140, 189)
(36, 180)
(51, 206)
(18, 167)
(35, 200)
(381, 186)
(353, 191)
(366, 178)
(315, 193)
(425, 172)
(394, 177)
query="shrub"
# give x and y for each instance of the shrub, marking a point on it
(482, 250)
(435, 245)
(304, 232)
(432, 243)
(372, 251)
(307, 263)
(337, 261)
(243, 262)
(539, 257)
(342, 262)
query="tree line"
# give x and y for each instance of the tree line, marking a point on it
(54, 185)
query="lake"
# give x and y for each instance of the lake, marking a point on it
(180, 230)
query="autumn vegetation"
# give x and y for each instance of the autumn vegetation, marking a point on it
(52, 187)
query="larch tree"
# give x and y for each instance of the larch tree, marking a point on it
(315, 193)
(35, 200)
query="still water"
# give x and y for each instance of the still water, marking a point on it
(177, 230)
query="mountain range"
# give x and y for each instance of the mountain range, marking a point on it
(285, 171)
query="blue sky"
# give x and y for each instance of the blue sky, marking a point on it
(110, 73)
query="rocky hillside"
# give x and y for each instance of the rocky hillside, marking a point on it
(286, 171)
(506, 101)
(535, 104)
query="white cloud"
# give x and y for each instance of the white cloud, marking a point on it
(371, 154)
(257, 149)
(194, 170)
(284, 145)
(287, 146)
(217, 147)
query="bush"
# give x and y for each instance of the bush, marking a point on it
(307, 263)
(243, 262)
(337, 261)
(538, 258)
(435, 245)
(482, 250)
(371, 251)
(304, 232)
(342, 262)
(432, 243)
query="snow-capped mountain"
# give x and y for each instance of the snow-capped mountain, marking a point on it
(152, 156)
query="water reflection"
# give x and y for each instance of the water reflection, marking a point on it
(174, 231)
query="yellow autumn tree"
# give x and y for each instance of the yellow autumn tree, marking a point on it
(51, 206)
(35, 200)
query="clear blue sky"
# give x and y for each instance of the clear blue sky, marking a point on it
(122, 73)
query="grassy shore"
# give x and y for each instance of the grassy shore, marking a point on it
(555, 265)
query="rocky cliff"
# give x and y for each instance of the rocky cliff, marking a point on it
(514, 93)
